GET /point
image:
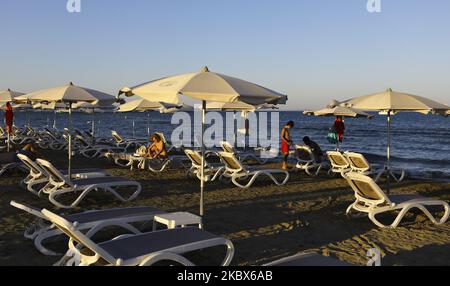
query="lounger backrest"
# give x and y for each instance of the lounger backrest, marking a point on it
(304, 153)
(54, 174)
(49, 133)
(357, 161)
(71, 231)
(337, 159)
(116, 136)
(231, 162)
(227, 147)
(34, 168)
(195, 157)
(82, 141)
(366, 189)
(29, 209)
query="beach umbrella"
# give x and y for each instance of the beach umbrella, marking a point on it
(205, 86)
(176, 108)
(9, 95)
(141, 105)
(334, 111)
(70, 94)
(390, 103)
(234, 106)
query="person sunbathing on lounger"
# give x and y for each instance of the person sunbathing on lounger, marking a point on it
(157, 150)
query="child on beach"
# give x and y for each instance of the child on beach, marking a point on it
(286, 142)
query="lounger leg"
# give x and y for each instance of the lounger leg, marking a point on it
(255, 176)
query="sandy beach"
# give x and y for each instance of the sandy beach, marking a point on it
(265, 223)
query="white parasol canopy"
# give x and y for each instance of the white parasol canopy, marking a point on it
(391, 102)
(205, 86)
(9, 95)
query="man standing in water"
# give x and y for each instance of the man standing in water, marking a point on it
(339, 128)
(286, 142)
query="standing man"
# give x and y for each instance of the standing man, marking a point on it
(9, 120)
(286, 142)
(339, 128)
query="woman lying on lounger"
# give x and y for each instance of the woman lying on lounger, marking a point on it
(158, 149)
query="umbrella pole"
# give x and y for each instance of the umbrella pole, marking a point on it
(133, 129)
(70, 141)
(202, 169)
(148, 125)
(54, 120)
(8, 147)
(93, 123)
(388, 167)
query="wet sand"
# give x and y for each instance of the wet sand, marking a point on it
(265, 223)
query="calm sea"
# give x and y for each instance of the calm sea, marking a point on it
(420, 143)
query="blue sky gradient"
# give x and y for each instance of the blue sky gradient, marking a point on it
(313, 50)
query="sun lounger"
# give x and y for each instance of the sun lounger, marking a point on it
(59, 185)
(8, 162)
(90, 151)
(308, 259)
(211, 171)
(339, 162)
(127, 144)
(372, 200)
(235, 170)
(138, 250)
(38, 176)
(307, 161)
(227, 147)
(359, 164)
(87, 221)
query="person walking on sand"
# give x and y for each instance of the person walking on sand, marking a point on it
(286, 142)
(339, 128)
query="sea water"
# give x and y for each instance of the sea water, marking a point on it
(420, 143)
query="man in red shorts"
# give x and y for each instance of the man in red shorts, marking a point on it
(286, 142)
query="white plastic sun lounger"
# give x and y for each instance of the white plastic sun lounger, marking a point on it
(211, 171)
(238, 172)
(359, 164)
(39, 176)
(59, 185)
(127, 144)
(339, 162)
(138, 250)
(307, 162)
(94, 151)
(227, 147)
(119, 217)
(372, 200)
(7, 163)
(309, 259)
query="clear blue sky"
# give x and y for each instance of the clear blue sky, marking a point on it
(313, 50)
